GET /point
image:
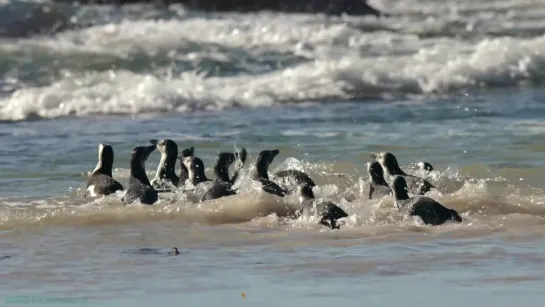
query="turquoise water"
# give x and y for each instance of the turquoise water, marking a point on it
(461, 89)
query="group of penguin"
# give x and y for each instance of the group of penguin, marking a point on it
(193, 182)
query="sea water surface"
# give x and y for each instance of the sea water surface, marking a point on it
(457, 83)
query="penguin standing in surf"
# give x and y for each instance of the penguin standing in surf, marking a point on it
(195, 170)
(184, 173)
(327, 211)
(223, 185)
(139, 186)
(417, 185)
(260, 172)
(197, 183)
(166, 178)
(430, 211)
(101, 181)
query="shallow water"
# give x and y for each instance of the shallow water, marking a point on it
(461, 89)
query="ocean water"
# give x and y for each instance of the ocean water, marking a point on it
(456, 83)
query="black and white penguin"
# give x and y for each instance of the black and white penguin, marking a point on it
(195, 170)
(260, 173)
(139, 186)
(328, 212)
(377, 183)
(222, 185)
(417, 185)
(184, 173)
(291, 179)
(197, 183)
(166, 178)
(430, 211)
(425, 166)
(173, 252)
(101, 181)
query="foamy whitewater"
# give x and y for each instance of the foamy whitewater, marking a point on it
(457, 84)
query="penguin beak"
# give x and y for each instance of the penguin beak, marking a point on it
(154, 141)
(275, 152)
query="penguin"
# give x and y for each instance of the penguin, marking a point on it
(166, 177)
(195, 170)
(139, 186)
(328, 211)
(417, 185)
(184, 173)
(101, 181)
(222, 186)
(260, 173)
(377, 183)
(430, 211)
(423, 165)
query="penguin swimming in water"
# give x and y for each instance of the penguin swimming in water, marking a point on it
(184, 173)
(328, 212)
(290, 179)
(425, 166)
(166, 178)
(260, 173)
(139, 186)
(429, 210)
(222, 186)
(377, 182)
(173, 252)
(417, 185)
(101, 181)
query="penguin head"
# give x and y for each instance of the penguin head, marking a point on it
(225, 159)
(141, 153)
(388, 162)
(266, 157)
(423, 165)
(105, 154)
(166, 147)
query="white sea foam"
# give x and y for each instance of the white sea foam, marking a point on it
(346, 58)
